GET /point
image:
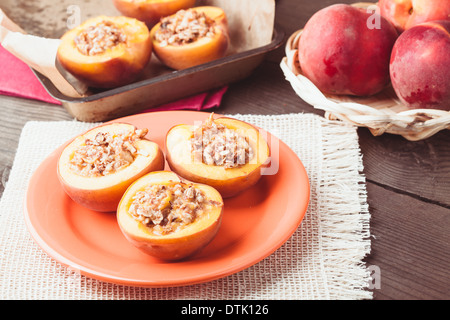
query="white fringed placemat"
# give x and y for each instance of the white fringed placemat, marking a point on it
(322, 260)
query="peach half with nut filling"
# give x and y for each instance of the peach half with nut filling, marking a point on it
(191, 37)
(97, 167)
(151, 11)
(106, 52)
(168, 217)
(225, 153)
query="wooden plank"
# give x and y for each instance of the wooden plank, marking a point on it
(418, 168)
(410, 246)
(14, 113)
(265, 92)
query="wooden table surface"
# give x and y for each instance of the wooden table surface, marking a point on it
(408, 183)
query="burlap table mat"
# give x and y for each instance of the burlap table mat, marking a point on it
(322, 260)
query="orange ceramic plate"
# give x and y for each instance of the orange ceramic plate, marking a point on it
(255, 223)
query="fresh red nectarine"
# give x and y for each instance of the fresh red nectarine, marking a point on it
(342, 53)
(405, 14)
(420, 66)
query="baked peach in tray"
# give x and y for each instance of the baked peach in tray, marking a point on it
(151, 11)
(225, 153)
(191, 37)
(168, 217)
(106, 52)
(97, 167)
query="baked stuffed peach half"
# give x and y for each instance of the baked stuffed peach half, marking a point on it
(106, 52)
(225, 153)
(191, 37)
(151, 11)
(168, 217)
(97, 167)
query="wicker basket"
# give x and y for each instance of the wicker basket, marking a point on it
(381, 113)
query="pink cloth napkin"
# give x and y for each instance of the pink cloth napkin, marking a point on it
(17, 79)
(201, 101)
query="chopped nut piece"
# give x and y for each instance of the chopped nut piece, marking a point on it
(106, 153)
(215, 144)
(97, 39)
(167, 208)
(185, 26)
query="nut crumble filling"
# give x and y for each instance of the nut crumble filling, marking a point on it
(215, 144)
(99, 38)
(168, 208)
(185, 26)
(106, 153)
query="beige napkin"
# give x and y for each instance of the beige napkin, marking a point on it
(322, 260)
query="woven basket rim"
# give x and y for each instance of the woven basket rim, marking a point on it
(382, 113)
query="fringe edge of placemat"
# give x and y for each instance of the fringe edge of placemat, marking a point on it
(345, 228)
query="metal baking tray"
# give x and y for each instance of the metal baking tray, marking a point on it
(158, 85)
(152, 92)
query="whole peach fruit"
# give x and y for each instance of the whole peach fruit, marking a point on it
(342, 53)
(420, 66)
(405, 14)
